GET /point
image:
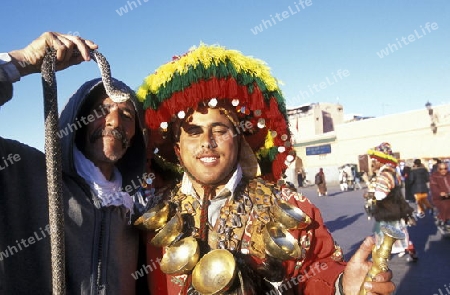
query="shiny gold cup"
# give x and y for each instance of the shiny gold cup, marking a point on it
(381, 254)
(215, 272)
(166, 235)
(279, 242)
(154, 218)
(180, 257)
(290, 216)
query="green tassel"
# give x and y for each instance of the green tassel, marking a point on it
(194, 75)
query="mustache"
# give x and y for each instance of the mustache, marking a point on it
(203, 153)
(117, 133)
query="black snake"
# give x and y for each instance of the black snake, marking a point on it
(54, 157)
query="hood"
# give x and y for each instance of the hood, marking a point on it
(132, 164)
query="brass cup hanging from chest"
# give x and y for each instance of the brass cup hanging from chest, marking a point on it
(180, 257)
(290, 216)
(215, 272)
(154, 218)
(279, 243)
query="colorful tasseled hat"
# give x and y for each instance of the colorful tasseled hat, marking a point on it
(211, 75)
(383, 153)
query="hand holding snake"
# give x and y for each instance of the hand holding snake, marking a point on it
(29, 59)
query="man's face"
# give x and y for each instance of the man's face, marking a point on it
(208, 147)
(442, 169)
(376, 165)
(109, 131)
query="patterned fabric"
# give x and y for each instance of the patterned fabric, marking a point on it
(239, 229)
(384, 182)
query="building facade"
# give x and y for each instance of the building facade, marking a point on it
(323, 139)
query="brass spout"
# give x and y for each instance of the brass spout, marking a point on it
(381, 254)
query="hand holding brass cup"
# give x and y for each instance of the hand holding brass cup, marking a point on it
(279, 242)
(290, 216)
(381, 254)
(215, 272)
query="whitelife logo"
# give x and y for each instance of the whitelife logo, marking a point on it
(391, 48)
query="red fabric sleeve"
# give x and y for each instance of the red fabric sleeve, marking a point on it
(323, 261)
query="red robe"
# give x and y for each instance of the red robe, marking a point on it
(315, 272)
(440, 183)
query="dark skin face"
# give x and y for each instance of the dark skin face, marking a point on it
(108, 135)
(442, 169)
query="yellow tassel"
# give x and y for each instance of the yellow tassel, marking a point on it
(269, 141)
(206, 54)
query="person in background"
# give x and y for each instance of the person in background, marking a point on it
(103, 148)
(292, 167)
(301, 174)
(343, 180)
(321, 183)
(385, 202)
(434, 166)
(357, 178)
(406, 173)
(419, 179)
(225, 119)
(440, 194)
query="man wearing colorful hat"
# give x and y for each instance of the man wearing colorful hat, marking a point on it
(385, 201)
(225, 119)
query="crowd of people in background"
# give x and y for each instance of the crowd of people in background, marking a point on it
(429, 188)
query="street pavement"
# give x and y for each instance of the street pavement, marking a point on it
(344, 215)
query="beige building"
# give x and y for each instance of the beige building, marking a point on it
(322, 138)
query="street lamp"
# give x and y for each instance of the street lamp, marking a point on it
(429, 108)
(433, 127)
(430, 113)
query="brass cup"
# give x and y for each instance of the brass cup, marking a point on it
(290, 216)
(154, 218)
(180, 257)
(166, 235)
(215, 272)
(279, 242)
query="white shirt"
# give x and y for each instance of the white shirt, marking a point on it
(215, 204)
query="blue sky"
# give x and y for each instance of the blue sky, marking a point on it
(374, 57)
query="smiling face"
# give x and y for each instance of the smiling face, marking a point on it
(109, 131)
(208, 147)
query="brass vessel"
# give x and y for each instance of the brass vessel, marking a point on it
(180, 257)
(215, 272)
(279, 242)
(381, 254)
(166, 235)
(290, 216)
(154, 218)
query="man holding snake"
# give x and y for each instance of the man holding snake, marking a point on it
(101, 157)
